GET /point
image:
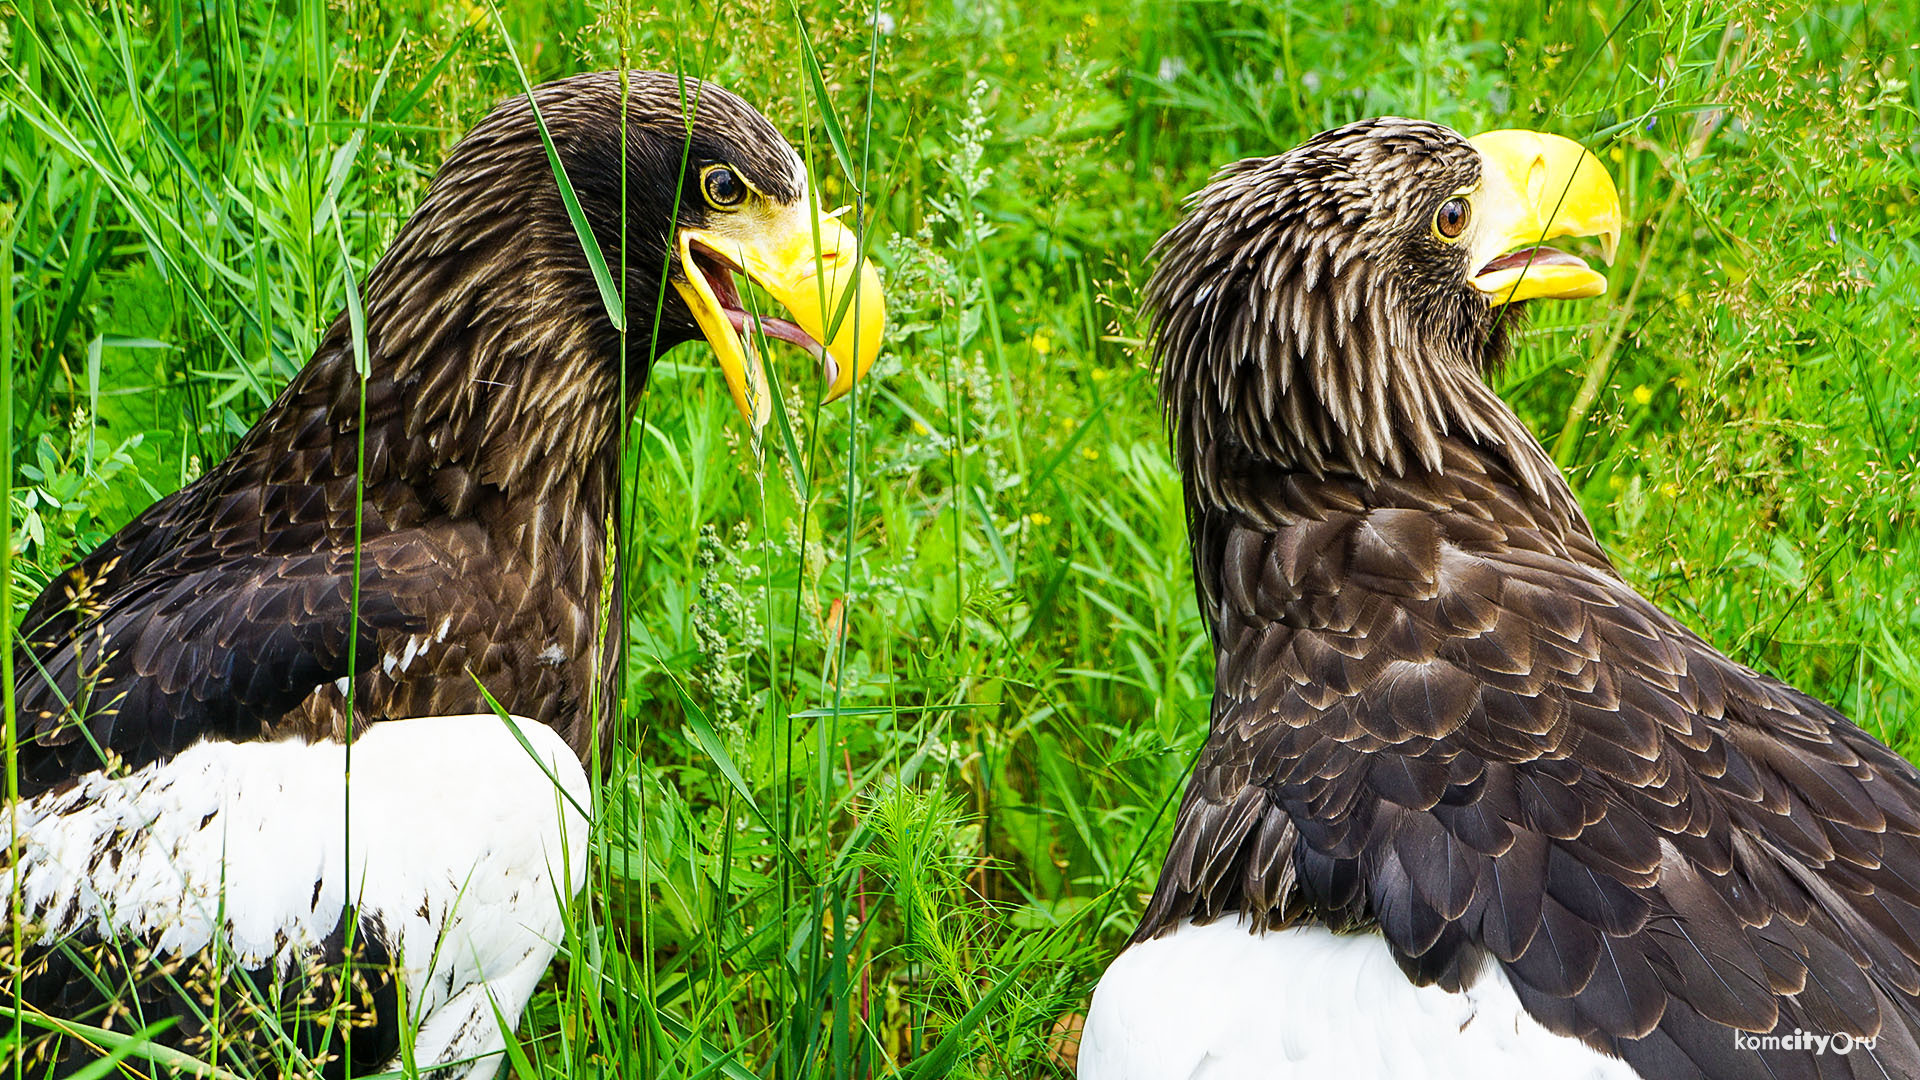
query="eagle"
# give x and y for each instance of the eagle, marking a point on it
(1469, 805)
(401, 572)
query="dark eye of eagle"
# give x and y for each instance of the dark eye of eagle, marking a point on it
(722, 186)
(1451, 219)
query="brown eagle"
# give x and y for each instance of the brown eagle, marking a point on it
(372, 554)
(1470, 806)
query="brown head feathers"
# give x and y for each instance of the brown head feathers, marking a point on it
(1306, 317)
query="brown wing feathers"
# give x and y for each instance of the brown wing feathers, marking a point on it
(1440, 712)
(1478, 745)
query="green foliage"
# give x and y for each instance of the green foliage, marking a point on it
(908, 699)
(71, 499)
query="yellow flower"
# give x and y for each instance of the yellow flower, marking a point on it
(1042, 343)
(1090, 453)
(1099, 374)
(1670, 489)
(920, 428)
(1039, 518)
(1643, 394)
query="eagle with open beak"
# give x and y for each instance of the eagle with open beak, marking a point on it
(407, 551)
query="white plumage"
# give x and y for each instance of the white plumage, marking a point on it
(461, 846)
(1219, 1002)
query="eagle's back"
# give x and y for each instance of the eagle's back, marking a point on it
(1440, 713)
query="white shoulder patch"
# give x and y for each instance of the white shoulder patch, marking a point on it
(1217, 1002)
(463, 845)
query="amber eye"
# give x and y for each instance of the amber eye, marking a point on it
(1451, 220)
(722, 186)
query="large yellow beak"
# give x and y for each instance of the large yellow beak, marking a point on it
(1535, 188)
(807, 262)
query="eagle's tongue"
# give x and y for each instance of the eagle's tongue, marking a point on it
(1532, 256)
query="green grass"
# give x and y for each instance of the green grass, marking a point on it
(907, 700)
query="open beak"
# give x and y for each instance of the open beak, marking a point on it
(830, 292)
(1536, 188)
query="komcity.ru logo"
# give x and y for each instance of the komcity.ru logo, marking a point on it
(1839, 1043)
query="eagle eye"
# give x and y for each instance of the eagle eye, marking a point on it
(1451, 219)
(722, 186)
